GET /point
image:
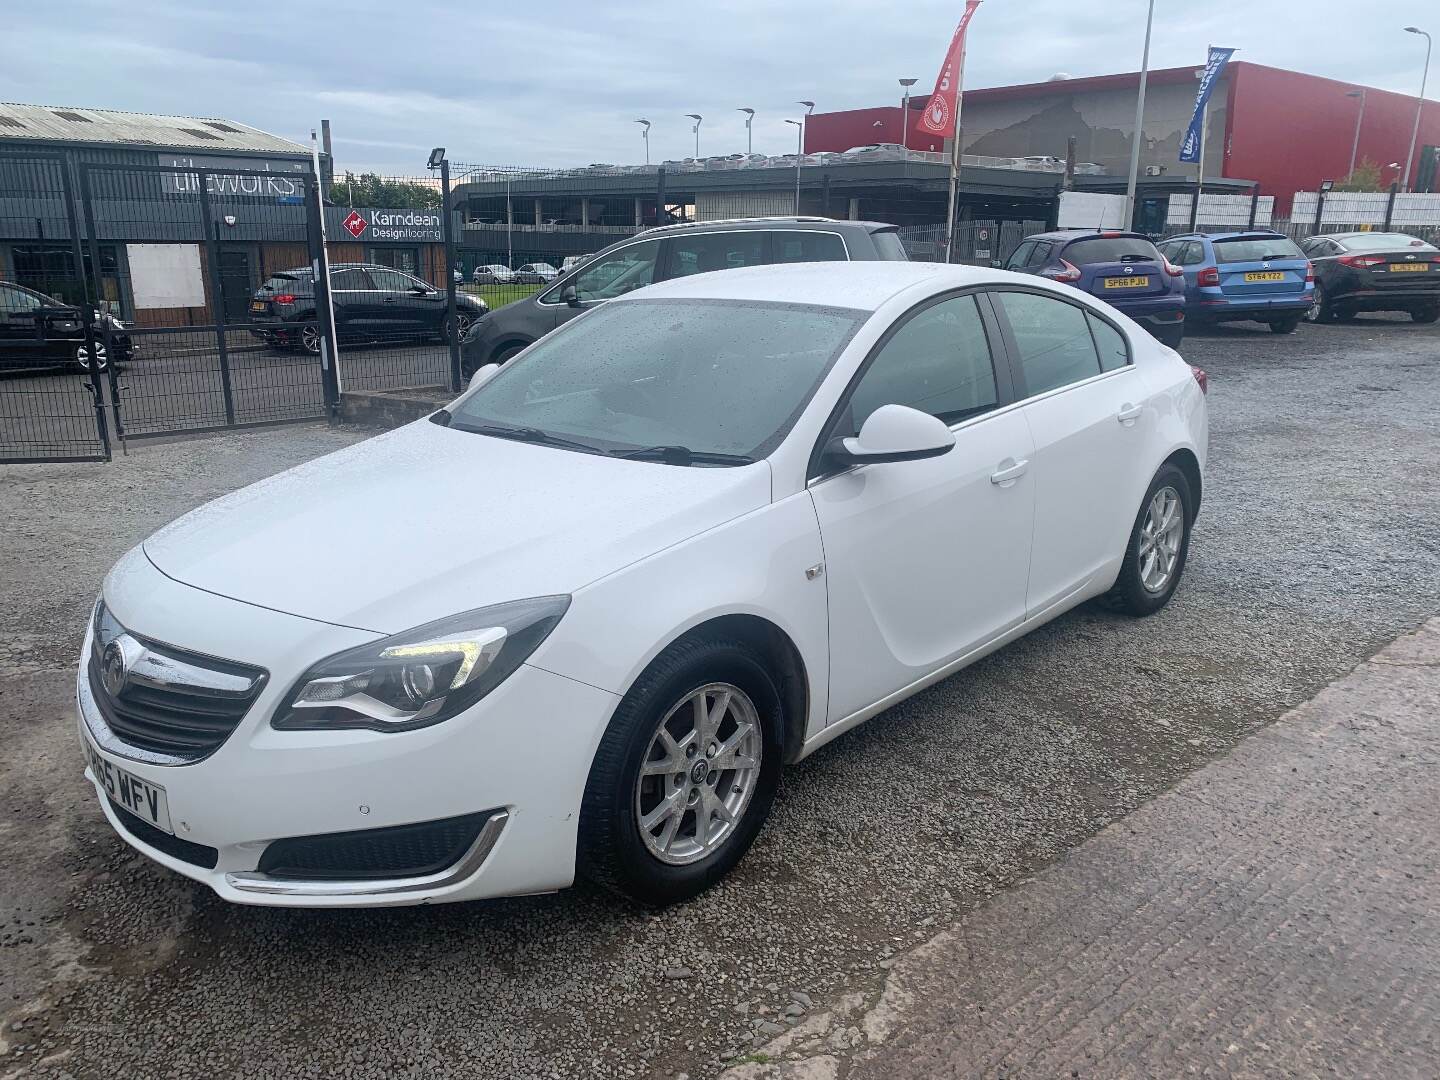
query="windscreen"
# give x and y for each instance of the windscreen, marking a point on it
(1109, 249)
(713, 376)
(1255, 249)
(1385, 242)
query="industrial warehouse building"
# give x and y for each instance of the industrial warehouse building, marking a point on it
(155, 231)
(1284, 130)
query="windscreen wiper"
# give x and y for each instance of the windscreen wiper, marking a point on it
(683, 455)
(527, 434)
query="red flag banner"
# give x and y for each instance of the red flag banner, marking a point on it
(939, 118)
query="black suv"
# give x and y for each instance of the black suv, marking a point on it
(38, 331)
(372, 303)
(672, 251)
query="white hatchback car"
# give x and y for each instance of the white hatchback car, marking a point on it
(576, 622)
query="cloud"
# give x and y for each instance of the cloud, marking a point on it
(560, 83)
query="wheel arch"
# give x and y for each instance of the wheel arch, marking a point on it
(1185, 460)
(784, 657)
(510, 342)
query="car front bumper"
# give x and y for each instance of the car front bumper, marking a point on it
(521, 756)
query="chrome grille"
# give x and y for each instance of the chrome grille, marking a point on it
(163, 699)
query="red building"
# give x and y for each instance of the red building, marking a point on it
(1283, 129)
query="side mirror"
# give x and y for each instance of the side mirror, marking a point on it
(570, 296)
(483, 375)
(996, 264)
(893, 433)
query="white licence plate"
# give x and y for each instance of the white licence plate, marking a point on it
(142, 798)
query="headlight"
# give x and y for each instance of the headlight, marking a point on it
(422, 676)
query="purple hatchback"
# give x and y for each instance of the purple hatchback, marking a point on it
(1124, 269)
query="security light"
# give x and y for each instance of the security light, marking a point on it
(437, 158)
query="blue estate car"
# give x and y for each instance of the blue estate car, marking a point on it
(1262, 276)
(1124, 269)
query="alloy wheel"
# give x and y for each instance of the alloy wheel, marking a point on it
(464, 321)
(310, 339)
(1317, 306)
(698, 774)
(1160, 539)
(82, 357)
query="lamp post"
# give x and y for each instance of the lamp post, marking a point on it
(645, 134)
(799, 157)
(749, 117)
(697, 118)
(1359, 119)
(905, 85)
(1419, 105)
(1139, 132)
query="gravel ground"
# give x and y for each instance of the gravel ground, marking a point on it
(1317, 544)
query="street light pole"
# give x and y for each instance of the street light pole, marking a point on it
(799, 157)
(809, 108)
(1359, 119)
(1139, 132)
(905, 113)
(645, 134)
(1419, 105)
(749, 117)
(697, 118)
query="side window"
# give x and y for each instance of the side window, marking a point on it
(1041, 255)
(703, 252)
(350, 280)
(392, 280)
(1020, 257)
(1054, 342)
(628, 269)
(1109, 343)
(807, 247)
(938, 361)
(1193, 255)
(17, 302)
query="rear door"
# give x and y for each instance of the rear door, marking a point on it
(1120, 267)
(1260, 268)
(1086, 404)
(20, 327)
(357, 303)
(798, 245)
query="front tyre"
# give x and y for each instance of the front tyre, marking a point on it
(685, 773)
(1426, 314)
(1159, 544)
(310, 339)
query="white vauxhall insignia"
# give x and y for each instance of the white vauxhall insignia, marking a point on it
(577, 622)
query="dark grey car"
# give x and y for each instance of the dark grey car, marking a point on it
(667, 252)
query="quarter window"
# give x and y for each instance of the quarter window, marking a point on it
(1109, 343)
(807, 247)
(703, 252)
(1020, 256)
(628, 269)
(938, 362)
(1055, 345)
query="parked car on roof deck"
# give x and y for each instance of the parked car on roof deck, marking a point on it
(702, 532)
(671, 251)
(1122, 268)
(371, 303)
(572, 261)
(1261, 276)
(38, 331)
(492, 274)
(1373, 271)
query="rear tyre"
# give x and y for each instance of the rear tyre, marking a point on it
(1287, 325)
(1319, 310)
(1159, 544)
(1426, 314)
(1170, 335)
(685, 774)
(309, 338)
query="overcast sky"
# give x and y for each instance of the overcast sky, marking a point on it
(558, 82)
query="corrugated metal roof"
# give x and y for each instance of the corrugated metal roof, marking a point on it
(60, 123)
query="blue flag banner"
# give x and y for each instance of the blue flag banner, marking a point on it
(1190, 146)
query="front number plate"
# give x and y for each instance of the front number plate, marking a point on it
(142, 798)
(1126, 282)
(1409, 268)
(1264, 276)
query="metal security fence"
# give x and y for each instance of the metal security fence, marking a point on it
(51, 405)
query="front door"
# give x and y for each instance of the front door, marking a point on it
(236, 284)
(926, 561)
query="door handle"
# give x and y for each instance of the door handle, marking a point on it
(1010, 473)
(1128, 413)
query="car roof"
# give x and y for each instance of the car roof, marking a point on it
(1088, 234)
(782, 222)
(1268, 234)
(864, 286)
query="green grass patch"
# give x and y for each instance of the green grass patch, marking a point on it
(500, 295)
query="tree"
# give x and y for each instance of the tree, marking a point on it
(1366, 177)
(368, 189)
